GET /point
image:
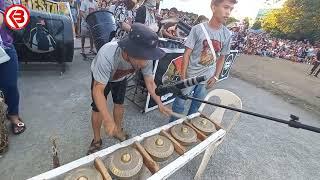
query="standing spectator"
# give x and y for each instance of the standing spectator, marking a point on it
(198, 58)
(316, 64)
(146, 14)
(124, 15)
(9, 77)
(74, 13)
(87, 6)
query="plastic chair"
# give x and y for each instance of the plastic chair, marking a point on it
(227, 98)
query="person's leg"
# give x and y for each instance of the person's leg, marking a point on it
(84, 33)
(118, 92)
(200, 92)
(83, 41)
(178, 104)
(91, 45)
(9, 86)
(96, 121)
(314, 67)
(316, 75)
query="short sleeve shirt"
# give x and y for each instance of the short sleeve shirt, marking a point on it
(109, 65)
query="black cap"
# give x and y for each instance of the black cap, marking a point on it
(142, 42)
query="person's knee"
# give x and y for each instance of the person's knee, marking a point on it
(178, 105)
(119, 107)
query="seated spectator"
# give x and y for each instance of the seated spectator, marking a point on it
(169, 25)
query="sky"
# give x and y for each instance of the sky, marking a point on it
(244, 8)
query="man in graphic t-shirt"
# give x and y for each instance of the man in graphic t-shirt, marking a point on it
(198, 59)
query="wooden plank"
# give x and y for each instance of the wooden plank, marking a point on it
(165, 172)
(102, 169)
(87, 160)
(177, 146)
(200, 134)
(147, 159)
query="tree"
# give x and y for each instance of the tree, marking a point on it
(257, 25)
(298, 19)
(246, 22)
(231, 20)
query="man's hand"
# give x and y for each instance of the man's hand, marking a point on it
(110, 128)
(164, 110)
(211, 82)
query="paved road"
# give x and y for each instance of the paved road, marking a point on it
(254, 149)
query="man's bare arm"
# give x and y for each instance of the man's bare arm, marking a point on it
(151, 86)
(185, 62)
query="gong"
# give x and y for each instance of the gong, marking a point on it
(125, 163)
(204, 125)
(184, 134)
(159, 147)
(84, 174)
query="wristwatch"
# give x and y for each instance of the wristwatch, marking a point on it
(215, 77)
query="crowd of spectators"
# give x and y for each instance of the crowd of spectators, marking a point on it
(262, 44)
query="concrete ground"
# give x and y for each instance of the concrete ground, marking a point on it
(284, 78)
(54, 105)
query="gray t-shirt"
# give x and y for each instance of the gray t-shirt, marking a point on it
(109, 65)
(201, 59)
(86, 7)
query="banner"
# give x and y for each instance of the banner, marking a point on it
(61, 8)
(42, 5)
(168, 70)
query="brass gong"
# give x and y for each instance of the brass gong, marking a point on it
(84, 174)
(184, 134)
(125, 163)
(204, 125)
(159, 147)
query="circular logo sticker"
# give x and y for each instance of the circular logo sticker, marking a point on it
(17, 17)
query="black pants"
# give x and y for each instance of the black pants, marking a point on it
(118, 91)
(316, 65)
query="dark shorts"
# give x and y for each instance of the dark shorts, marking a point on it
(118, 91)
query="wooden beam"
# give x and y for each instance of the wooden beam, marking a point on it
(200, 134)
(102, 169)
(147, 159)
(174, 166)
(177, 146)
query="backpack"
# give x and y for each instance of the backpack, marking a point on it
(40, 40)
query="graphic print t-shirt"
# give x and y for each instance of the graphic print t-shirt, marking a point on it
(201, 59)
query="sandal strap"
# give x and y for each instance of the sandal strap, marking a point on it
(21, 124)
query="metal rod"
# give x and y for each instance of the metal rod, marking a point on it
(292, 123)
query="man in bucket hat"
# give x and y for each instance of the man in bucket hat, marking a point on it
(114, 63)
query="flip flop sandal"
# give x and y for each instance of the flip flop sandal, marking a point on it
(94, 147)
(21, 126)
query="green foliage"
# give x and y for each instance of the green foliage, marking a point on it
(257, 25)
(298, 19)
(246, 22)
(232, 20)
